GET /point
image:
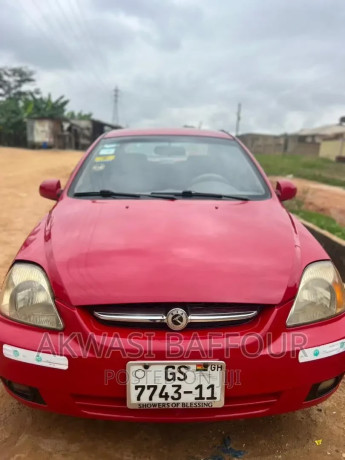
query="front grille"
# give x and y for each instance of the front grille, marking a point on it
(154, 315)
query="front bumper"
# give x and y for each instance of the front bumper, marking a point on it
(264, 372)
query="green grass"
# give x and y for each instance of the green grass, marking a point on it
(311, 168)
(320, 220)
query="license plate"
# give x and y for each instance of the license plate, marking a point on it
(172, 385)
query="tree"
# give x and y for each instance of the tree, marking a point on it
(44, 107)
(13, 80)
(12, 124)
(79, 115)
(17, 103)
(15, 110)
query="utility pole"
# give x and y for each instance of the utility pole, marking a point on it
(238, 119)
(116, 106)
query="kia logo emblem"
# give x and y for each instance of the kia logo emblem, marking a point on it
(177, 319)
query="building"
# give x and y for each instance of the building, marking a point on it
(90, 130)
(293, 144)
(263, 143)
(327, 141)
(43, 132)
(322, 132)
(64, 133)
(333, 145)
(333, 149)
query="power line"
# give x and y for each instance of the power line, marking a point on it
(38, 26)
(116, 106)
(78, 16)
(238, 119)
(35, 24)
(68, 26)
(63, 51)
(62, 37)
(79, 36)
(81, 18)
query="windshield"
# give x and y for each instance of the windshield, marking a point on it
(171, 165)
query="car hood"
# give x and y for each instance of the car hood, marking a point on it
(119, 251)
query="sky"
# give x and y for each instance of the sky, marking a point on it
(179, 62)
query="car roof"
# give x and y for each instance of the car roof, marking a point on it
(168, 132)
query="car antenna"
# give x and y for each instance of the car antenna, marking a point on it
(226, 132)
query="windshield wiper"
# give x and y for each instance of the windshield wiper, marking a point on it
(191, 194)
(113, 194)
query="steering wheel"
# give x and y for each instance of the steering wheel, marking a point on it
(209, 177)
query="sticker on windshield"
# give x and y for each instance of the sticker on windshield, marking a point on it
(105, 158)
(107, 150)
(98, 167)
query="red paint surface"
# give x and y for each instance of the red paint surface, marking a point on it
(125, 251)
(286, 190)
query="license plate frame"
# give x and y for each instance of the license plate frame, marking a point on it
(212, 371)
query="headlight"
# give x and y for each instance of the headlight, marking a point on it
(320, 296)
(27, 297)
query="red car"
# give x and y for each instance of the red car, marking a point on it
(169, 283)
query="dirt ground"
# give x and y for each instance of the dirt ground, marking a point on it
(31, 434)
(322, 198)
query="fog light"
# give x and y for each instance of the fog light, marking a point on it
(24, 391)
(327, 385)
(321, 389)
(18, 388)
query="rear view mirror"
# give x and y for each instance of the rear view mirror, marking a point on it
(285, 190)
(51, 189)
(170, 151)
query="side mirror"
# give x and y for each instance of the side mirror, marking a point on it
(51, 189)
(285, 190)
